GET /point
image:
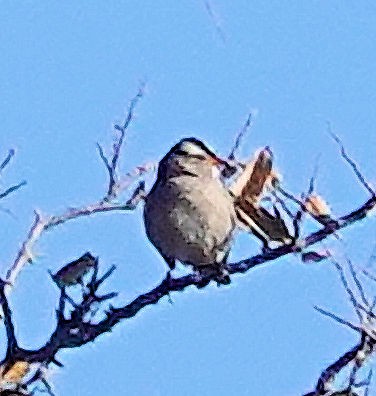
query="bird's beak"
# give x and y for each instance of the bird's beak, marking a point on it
(217, 161)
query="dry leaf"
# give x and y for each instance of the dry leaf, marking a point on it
(263, 224)
(317, 206)
(315, 257)
(251, 182)
(73, 272)
(248, 189)
(15, 372)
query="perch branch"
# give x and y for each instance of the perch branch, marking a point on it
(70, 334)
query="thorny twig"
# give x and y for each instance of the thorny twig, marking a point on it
(112, 164)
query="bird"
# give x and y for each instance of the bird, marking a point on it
(189, 213)
(73, 272)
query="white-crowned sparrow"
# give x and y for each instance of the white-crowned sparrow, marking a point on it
(189, 214)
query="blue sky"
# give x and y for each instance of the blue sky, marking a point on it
(68, 71)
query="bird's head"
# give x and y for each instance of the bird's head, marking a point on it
(191, 157)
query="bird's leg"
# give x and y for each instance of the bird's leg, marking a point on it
(171, 265)
(223, 277)
(203, 273)
(167, 280)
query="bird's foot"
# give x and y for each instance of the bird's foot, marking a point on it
(223, 278)
(167, 281)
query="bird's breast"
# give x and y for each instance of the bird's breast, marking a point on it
(190, 220)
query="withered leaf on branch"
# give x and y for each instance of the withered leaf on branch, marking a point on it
(317, 206)
(315, 257)
(248, 189)
(15, 372)
(73, 272)
(251, 182)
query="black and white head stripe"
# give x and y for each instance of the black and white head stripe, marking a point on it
(192, 147)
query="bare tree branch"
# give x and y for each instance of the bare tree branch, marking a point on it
(3, 165)
(347, 287)
(364, 347)
(356, 357)
(240, 135)
(76, 324)
(7, 159)
(45, 223)
(42, 224)
(112, 164)
(214, 17)
(338, 319)
(12, 189)
(12, 345)
(352, 164)
(74, 332)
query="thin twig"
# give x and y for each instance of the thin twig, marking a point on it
(283, 205)
(105, 161)
(358, 283)
(214, 17)
(338, 319)
(7, 159)
(112, 164)
(347, 288)
(12, 188)
(369, 379)
(369, 275)
(352, 164)
(48, 387)
(104, 277)
(247, 125)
